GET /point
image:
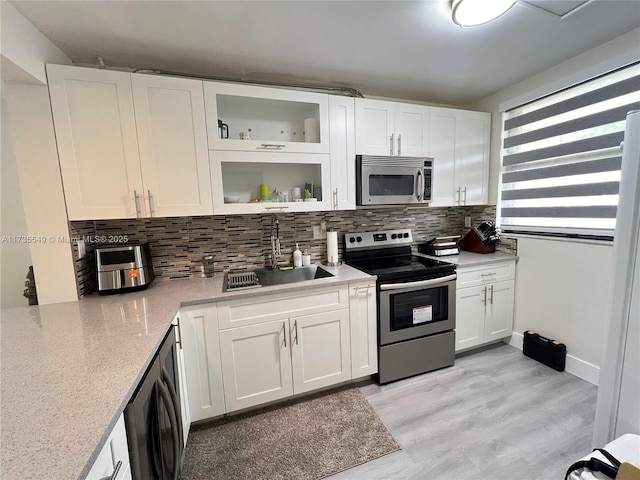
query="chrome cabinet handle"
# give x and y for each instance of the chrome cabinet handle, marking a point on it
(335, 199)
(284, 207)
(295, 327)
(391, 145)
(276, 146)
(151, 207)
(137, 200)
(399, 144)
(465, 196)
(179, 341)
(116, 470)
(284, 333)
(458, 196)
(491, 291)
(484, 296)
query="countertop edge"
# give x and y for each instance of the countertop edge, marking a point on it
(470, 259)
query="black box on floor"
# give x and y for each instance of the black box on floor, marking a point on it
(550, 352)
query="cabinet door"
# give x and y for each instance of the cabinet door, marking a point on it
(364, 333)
(472, 157)
(443, 150)
(97, 145)
(173, 145)
(240, 174)
(499, 317)
(320, 350)
(115, 450)
(343, 157)
(470, 313)
(411, 126)
(274, 119)
(374, 127)
(203, 367)
(256, 364)
(182, 374)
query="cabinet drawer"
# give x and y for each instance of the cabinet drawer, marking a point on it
(236, 313)
(497, 272)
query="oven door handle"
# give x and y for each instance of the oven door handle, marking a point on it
(421, 283)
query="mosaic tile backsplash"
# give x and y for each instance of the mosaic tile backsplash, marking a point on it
(241, 242)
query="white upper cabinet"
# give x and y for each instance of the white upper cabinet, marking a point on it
(97, 143)
(172, 142)
(460, 150)
(130, 145)
(237, 178)
(343, 156)
(273, 119)
(390, 128)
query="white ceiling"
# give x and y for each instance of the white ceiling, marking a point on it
(399, 49)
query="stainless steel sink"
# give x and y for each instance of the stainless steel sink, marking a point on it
(268, 277)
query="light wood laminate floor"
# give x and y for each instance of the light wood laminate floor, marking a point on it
(494, 415)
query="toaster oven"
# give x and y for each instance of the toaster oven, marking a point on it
(124, 268)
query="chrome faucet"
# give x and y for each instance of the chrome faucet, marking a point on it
(275, 242)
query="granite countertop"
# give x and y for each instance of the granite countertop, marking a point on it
(69, 369)
(470, 259)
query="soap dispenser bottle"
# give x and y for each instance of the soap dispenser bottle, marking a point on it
(297, 257)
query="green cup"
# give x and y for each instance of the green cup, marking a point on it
(264, 192)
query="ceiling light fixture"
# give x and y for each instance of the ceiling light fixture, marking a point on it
(469, 13)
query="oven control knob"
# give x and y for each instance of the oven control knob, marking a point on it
(393, 236)
(359, 239)
(406, 235)
(352, 240)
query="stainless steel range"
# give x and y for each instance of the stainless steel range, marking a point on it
(416, 303)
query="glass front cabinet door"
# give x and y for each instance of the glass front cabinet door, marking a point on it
(251, 118)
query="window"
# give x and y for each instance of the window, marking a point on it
(561, 158)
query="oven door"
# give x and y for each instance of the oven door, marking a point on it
(415, 309)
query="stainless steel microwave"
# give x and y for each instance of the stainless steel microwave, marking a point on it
(393, 180)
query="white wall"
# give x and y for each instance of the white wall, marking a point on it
(561, 287)
(24, 49)
(15, 258)
(562, 291)
(29, 141)
(32, 137)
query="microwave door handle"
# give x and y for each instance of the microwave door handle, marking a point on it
(420, 182)
(421, 283)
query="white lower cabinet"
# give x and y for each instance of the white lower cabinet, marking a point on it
(274, 360)
(484, 311)
(203, 369)
(364, 329)
(320, 350)
(246, 352)
(182, 383)
(256, 364)
(113, 460)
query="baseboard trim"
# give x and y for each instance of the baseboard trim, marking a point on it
(573, 365)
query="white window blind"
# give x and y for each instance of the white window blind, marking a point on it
(561, 158)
